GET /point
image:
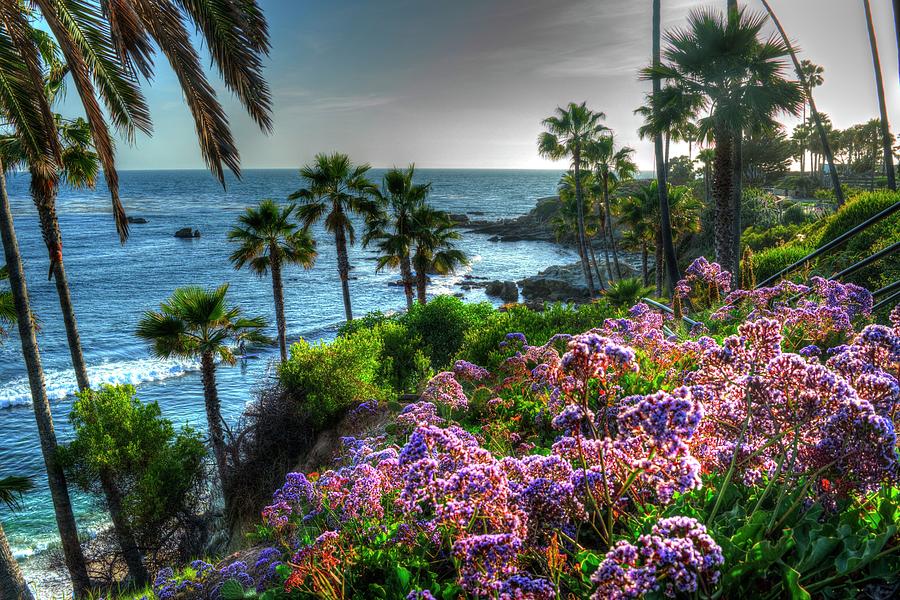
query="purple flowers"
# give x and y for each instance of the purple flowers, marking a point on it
(445, 390)
(678, 555)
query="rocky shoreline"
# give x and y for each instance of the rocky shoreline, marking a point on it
(557, 283)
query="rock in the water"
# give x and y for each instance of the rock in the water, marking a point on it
(137, 220)
(559, 283)
(187, 233)
(507, 291)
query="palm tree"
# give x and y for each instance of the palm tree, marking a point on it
(79, 169)
(641, 210)
(612, 165)
(662, 167)
(886, 137)
(637, 217)
(335, 190)
(565, 221)
(817, 118)
(721, 61)
(268, 238)
(198, 323)
(107, 47)
(392, 228)
(435, 250)
(12, 584)
(568, 133)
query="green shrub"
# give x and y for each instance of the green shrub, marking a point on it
(441, 324)
(855, 211)
(156, 469)
(795, 214)
(403, 363)
(771, 261)
(625, 293)
(761, 238)
(332, 377)
(482, 343)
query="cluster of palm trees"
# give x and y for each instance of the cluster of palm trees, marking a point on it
(108, 49)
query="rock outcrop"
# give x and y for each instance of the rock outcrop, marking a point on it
(559, 283)
(507, 291)
(187, 233)
(536, 225)
(137, 220)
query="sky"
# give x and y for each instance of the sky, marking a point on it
(466, 83)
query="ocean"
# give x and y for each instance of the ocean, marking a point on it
(113, 284)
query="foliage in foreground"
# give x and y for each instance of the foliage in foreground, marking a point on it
(622, 462)
(157, 471)
(815, 235)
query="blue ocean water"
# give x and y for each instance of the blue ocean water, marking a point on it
(112, 285)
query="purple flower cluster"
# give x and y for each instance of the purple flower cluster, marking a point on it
(418, 413)
(470, 372)
(444, 390)
(678, 555)
(704, 283)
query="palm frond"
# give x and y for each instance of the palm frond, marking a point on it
(11, 490)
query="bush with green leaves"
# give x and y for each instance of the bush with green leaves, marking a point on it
(482, 343)
(327, 378)
(157, 469)
(442, 324)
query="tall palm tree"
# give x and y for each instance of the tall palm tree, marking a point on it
(435, 251)
(80, 167)
(568, 132)
(565, 221)
(335, 190)
(12, 584)
(198, 323)
(817, 117)
(392, 228)
(269, 238)
(887, 139)
(721, 61)
(612, 165)
(662, 167)
(107, 46)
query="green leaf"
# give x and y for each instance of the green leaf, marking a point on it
(403, 576)
(231, 590)
(792, 583)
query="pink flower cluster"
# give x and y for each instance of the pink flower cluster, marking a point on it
(444, 390)
(704, 283)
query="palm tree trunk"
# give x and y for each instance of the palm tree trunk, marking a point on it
(421, 285)
(596, 266)
(737, 173)
(660, 264)
(609, 227)
(886, 139)
(214, 418)
(661, 173)
(644, 271)
(43, 192)
(59, 491)
(723, 180)
(133, 557)
(897, 29)
(609, 272)
(579, 201)
(408, 284)
(343, 261)
(278, 294)
(820, 129)
(12, 584)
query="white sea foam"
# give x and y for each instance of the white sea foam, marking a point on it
(61, 383)
(448, 284)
